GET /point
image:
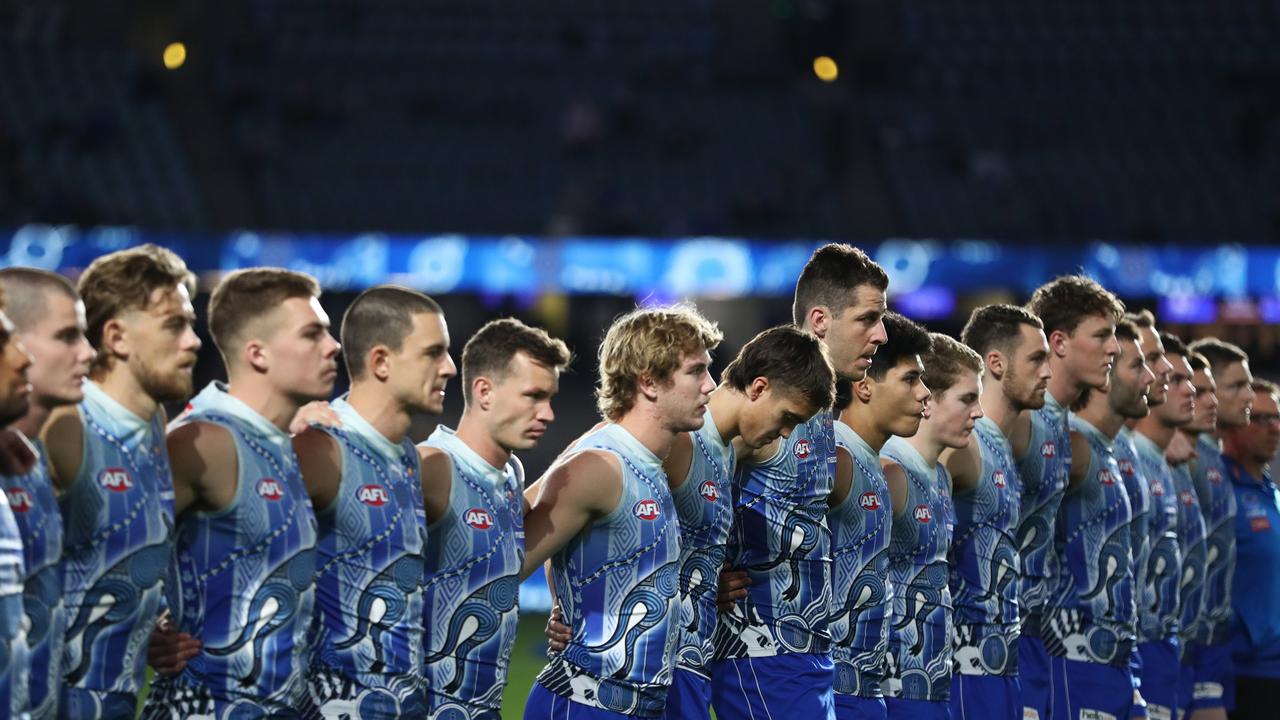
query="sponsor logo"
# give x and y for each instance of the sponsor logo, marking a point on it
(19, 500)
(646, 509)
(709, 491)
(1048, 449)
(115, 479)
(372, 495)
(1214, 476)
(802, 448)
(923, 514)
(870, 501)
(479, 518)
(997, 477)
(1107, 477)
(270, 489)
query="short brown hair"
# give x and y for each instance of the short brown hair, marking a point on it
(489, 352)
(946, 360)
(1173, 345)
(1220, 353)
(791, 359)
(1062, 303)
(26, 288)
(246, 295)
(997, 327)
(1264, 386)
(125, 280)
(832, 273)
(381, 315)
(648, 341)
(1198, 362)
(1142, 318)
(905, 339)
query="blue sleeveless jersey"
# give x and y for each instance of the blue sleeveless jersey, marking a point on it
(703, 504)
(984, 561)
(920, 637)
(862, 596)
(1158, 606)
(35, 510)
(474, 555)
(1091, 616)
(15, 657)
(118, 523)
(780, 538)
(369, 575)
(1137, 487)
(616, 583)
(1191, 533)
(1218, 504)
(245, 575)
(1043, 473)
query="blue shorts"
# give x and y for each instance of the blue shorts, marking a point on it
(1033, 674)
(790, 685)
(1078, 687)
(1161, 677)
(543, 704)
(852, 707)
(903, 709)
(974, 697)
(689, 696)
(1213, 672)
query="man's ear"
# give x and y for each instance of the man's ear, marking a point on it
(757, 388)
(1058, 340)
(862, 390)
(819, 318)
(995, 364)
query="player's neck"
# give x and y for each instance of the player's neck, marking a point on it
(645, 425)
(120, 385)
(277, 407)
(726, 406)
(928, 447)
(997, 408)
(861, 420)
(387, 416)
(1156, 431)
(1098, 414)
(1063, 386)
(474, 433)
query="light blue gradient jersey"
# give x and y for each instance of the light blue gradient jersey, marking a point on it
(1191, 533)
(862, 596)
(1043, 472)
(15, 657)
(984, 561)
(616, 583)
(920, 635)
(1138, 489)
(780, 538)
(35, 510)
(704, 506)
(474, 554)
(118, 522)
(1158, 616)
(1218, 505)
(368, 652)
(244, 577)
(1091, 615)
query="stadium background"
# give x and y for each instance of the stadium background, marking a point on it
(562, 160)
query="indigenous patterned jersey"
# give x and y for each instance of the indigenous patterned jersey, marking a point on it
(369, 574)
(1218, 504)
(15, 659)
(780, 538)
(920, 637)
(1191, 533)
(474, 554)
(1091, 614)
(704, 505)
(984, 561)
(35, 509)
(616, 583)
(861, 593)
(1043, 472)
(1158, 608)
(118, 520)
(245, 574)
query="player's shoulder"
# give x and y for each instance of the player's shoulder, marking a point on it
(201, 438)
(433, 460)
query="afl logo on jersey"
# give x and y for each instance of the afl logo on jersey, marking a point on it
(709, 491)
(1048, 449)
(1188, 498)
(646, 510)
(802, 448)
(1126, 467)
(115, 479)
(869, 501)
(1214, 476)
(19, 500)
(372, 495)
(270, 489)
(997, 477)
(1107, 477)
(923, 514)
(479, 518)
(1157, 489)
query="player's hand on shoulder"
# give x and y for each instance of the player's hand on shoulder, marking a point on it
(318, 412)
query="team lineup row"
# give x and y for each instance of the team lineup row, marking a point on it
(862, 519)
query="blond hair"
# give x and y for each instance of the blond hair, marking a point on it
(652, 342)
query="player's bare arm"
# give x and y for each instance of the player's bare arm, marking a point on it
(678, 462)
(437, 481)
(1081, 458)
(843, 479)
(202, 458)
(572, 494)
(63, 438)
(896, 478)
(964, 465)
(320, 460)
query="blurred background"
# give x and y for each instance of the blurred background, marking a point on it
(563, 160)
